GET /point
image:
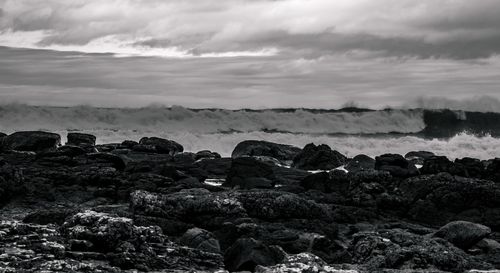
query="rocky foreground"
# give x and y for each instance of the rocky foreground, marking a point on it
(148, 206)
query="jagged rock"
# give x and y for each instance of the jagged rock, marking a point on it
(360, 163)
(200, 239)
(250, 173)
(440, 199)
(206, 209)
(471, 167)
(463, 234)
(162, 145)
(216, 168)
(281, 152)
(320, 157)
(79, 139)
(438, 164)
(303, 263)
(397, 249)
(246, 254)
(34, 141)
(492, 171)
(395, 164)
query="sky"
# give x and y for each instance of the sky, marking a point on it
(249, 53)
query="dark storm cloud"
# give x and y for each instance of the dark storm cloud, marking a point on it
(459, 29)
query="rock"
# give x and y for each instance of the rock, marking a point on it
(210, 210)
(492, 171)
(216, 168)
(162, 145)
(33, 141)
(246, 254)
(463, 234)
(205, 154)
(398, 249)
(360, 163)
(82, 140)
(281, 152)
(45, 217)
(419, 157)
(320, 157)
(129, 144)
(471, 167)
(439, 164)
(201, 239)
(396, 165)
(107, 158)
(250, 173)
(2, 135)
(303, 263)
(440, 199)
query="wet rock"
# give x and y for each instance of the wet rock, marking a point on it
(440, 199)
(492, 171)
(281, 152)
(360, 163)
(246, 254)
(418, 157)
(82, 140)
(463, 234)
(215, 168)
(34, 141)
(161, 145)
(439, 164)
(107, 158)
(200, 239)
(471, 167)
(304, 263)
(397, 249)
(250, 173)
(396, 165)
(320, 157)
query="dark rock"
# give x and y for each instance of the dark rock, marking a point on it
(184, 158)
(283, 153)
(215, 168)
(247, 254)
(79, 139)
(115, 161)
(2, 135)
(360, 163)
(45, 217)
(440, 199)
(129, 144)
(470, 167)
(162, 145)
(439, 164)
(492, 171)
(249, 173)
(33, 141)
(419, 157)
(396, 165)
(320, 157)
(200, 239)
(205, 154)
(397, 249)
(463, 234)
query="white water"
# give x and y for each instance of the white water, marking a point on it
(206, 129)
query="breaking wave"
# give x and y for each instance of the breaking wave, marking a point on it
(351, 131)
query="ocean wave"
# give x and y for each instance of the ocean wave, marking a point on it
(15, 117)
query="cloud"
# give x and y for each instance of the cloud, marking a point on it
(459, 29)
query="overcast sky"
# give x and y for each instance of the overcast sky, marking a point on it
(247, 53)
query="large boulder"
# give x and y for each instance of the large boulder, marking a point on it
(463, 234)
(492, 171)
(302, 262)
(246, 254)
(439, 199)
(360, 163)
(201, 239)
(79, 139)
(33, 141)
(396, 165)
(250, 173)
(418, 157)
(284, 153)
(320, 157)
(161, 145)
(439, 164)
(399, 249)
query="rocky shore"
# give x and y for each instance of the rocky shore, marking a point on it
(148, 206)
